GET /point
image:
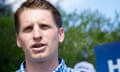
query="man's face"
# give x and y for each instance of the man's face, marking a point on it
(38, 34)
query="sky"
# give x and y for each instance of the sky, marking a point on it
(106, 7)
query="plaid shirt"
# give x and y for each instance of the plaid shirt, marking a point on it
(61, 67)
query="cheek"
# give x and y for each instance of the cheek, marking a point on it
(25, 41)
(53, 40)
(51, 36)
(53, 44)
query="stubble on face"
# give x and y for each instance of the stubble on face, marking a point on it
(37, 24)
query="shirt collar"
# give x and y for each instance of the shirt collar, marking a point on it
(60, 68)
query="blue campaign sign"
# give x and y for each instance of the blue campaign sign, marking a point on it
(108, 57)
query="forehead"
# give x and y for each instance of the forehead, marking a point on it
(36, 14)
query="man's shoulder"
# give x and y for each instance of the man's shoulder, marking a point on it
(63, 67)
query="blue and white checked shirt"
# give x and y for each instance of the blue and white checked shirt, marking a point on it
(61, 68)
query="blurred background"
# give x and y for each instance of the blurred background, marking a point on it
(87, 23)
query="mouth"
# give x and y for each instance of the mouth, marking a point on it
(38, 47)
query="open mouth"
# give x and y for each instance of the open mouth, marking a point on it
(38, 47)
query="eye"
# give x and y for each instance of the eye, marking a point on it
(28, 29)
(44, 26)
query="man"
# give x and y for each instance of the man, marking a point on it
(38, 32)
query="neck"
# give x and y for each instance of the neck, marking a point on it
(43, 66)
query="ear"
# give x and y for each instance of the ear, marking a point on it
(18, 41)
(61, 34)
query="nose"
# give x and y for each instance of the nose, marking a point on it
(37, 34)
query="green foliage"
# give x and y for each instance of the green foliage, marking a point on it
(10, 55)
(5, 10)
(84, 31)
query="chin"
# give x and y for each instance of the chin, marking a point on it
(39, 58)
